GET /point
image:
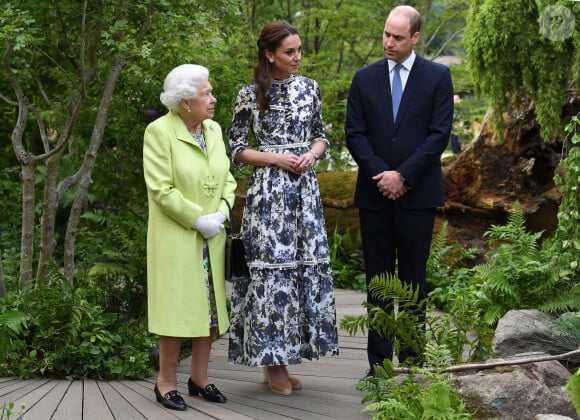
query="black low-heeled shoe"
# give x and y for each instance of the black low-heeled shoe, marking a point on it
(210, 392)
(172, 400)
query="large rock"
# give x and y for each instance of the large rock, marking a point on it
(516, 393)
(523, 331)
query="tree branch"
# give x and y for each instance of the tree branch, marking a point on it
(507, 362)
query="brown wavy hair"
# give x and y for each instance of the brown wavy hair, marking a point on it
(270, 39)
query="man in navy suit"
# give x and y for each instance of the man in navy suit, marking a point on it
(400, 182)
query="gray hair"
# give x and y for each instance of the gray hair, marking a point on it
(182, 83)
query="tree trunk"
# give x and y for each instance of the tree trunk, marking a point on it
(47, 221)
(568, 356)
(2, 281)
(87, 167)
(27, 237)
(483, 181)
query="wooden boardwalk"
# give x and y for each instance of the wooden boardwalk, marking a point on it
(327, 391)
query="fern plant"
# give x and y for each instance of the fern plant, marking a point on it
(402, 325)
(117, 263)
(517, 274)
(573, 390)
(68, 332)
(447, 267)
(459, 328)
(421, 395)
(346, 260)
(564, 246)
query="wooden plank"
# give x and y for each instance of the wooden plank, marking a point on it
(27, 392)
(198, 408)
(10, 387)
(328, 388)
(258, 403)
(71, 405)
(7, 379)
(94, 403)
(48, 403)
(143, 400)
(119, 407)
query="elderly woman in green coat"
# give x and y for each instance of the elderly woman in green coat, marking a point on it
(187, 173)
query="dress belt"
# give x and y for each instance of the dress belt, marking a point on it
(272, 147)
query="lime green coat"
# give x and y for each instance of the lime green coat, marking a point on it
(182, 184)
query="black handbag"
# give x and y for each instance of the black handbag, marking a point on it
(236, 265)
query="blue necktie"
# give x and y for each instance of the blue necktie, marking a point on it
(397, 91)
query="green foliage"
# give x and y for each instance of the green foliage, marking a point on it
(59, 331)
(446, 266)
(459, 327)
(516, 276)
(520, 272)
(116, 256)
(7, 411)
(420, 395)
(507, 36)
(401, 325)
(346, 260)
(565, 331)
(10, 207)
(573, 390)
(565, 243)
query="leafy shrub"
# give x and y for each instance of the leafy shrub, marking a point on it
(403, 325)
(424, 394)
(517, 275)
(522, 274)
(347, 262)
(59, 331)
(7, 411)
(573, 390)
(447, 268)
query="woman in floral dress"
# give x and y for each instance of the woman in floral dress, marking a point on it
(286, 310)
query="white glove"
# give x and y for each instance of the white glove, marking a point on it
(218, 216)
(207, 226)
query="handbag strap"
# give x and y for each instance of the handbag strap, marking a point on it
(232, 221)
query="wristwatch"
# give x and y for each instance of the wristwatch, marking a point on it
(316, 155)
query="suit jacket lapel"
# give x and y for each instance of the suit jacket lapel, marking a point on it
(383, 84)
(414, 79)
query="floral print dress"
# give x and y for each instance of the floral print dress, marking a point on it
(286, 310)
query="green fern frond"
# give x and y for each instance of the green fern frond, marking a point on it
(493, 314)
(562, 301)
(439, 241)
(573, 390)
(13, 323)
(565, 331)
(352, 324)
(388, 286)
(437, 356)
(389, 410)
(107, 270)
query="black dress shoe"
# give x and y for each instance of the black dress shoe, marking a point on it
(210, 392)
(172, 399)
(369, 374)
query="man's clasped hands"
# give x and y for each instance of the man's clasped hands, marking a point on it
(390, 184)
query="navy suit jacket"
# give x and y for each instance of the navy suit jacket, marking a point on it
(412, 144)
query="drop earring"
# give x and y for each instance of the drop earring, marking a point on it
(271, 60)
